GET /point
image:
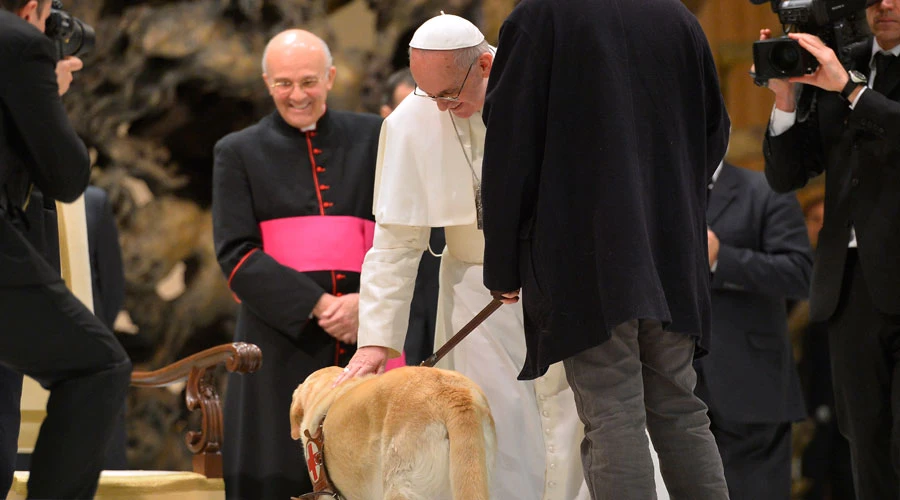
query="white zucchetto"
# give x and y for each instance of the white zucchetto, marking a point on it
(446, 32)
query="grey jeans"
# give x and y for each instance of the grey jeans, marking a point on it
(643, 377)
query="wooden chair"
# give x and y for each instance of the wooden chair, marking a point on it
(205, 482)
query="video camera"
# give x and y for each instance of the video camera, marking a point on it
(71, 35)
(839, 23)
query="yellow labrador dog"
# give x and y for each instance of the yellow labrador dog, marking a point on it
(411, 433)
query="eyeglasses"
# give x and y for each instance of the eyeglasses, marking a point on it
(455, 98)
(285, 87)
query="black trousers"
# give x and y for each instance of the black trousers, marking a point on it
(423, 309)
(49, 335)
(756, 458)
(865, 349)
(10, 396)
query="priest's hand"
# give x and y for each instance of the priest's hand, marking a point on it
(368, 359)
(506, 297)
(340, 317)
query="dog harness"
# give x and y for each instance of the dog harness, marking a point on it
(315, 463)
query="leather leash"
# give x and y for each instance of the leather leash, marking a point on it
(466, 330)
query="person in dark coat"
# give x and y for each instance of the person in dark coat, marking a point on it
(107, 269)
(604, 125)
(108, 284)
(850, 130)
(292, 220)
(759, 256)
(48, 334)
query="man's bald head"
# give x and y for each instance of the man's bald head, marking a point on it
(298, 69)
(297, 40)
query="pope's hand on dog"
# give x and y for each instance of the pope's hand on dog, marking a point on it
(340, 317)
(368, 359)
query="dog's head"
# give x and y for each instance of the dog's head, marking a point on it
(312, 399)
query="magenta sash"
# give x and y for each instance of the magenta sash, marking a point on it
(318, 242)
(395, 362)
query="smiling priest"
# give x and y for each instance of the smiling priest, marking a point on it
(292, 216)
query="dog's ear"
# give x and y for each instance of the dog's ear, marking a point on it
(296, 412)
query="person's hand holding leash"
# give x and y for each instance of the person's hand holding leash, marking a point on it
(506, 297)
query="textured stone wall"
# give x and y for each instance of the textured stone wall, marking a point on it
(168, 79)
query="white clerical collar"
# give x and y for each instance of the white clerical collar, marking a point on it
(310, 128)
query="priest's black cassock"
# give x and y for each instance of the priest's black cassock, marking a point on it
(285, 200)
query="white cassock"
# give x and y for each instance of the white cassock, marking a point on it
(423, 181)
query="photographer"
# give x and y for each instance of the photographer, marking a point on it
(851, 130)
(47, 332)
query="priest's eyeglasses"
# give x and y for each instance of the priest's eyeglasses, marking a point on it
(455, 98)
(285, 87)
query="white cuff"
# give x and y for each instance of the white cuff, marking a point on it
(853, 104)
(387, 281)
(781, 121)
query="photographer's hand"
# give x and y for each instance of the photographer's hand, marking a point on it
(830, 75)
(64, 69)
(785, 91)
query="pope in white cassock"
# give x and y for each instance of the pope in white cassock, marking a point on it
(428, 175)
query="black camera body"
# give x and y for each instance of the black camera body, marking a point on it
(781, 58)
(839, 23)
(72, 36)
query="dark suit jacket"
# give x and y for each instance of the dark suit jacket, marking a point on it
(594, 175)
(764, 259)
(860, 151)
(37, 144)
(107, 272)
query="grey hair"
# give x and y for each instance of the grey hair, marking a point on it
(329, 60)
(463, 58)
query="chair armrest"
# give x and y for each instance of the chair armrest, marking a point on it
(201, 393)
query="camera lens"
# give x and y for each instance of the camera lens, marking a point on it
(82, 39)
(785, 57)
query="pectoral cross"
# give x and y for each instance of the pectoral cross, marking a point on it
(479, 210)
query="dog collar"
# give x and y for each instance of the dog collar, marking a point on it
(315, 464)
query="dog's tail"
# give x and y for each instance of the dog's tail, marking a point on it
(471, 453)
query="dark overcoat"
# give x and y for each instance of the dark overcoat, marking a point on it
(604, 123)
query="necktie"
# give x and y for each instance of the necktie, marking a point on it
(883, 63)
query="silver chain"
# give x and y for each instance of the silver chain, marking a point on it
(476, 182)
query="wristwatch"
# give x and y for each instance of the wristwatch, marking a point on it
(856, 79)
